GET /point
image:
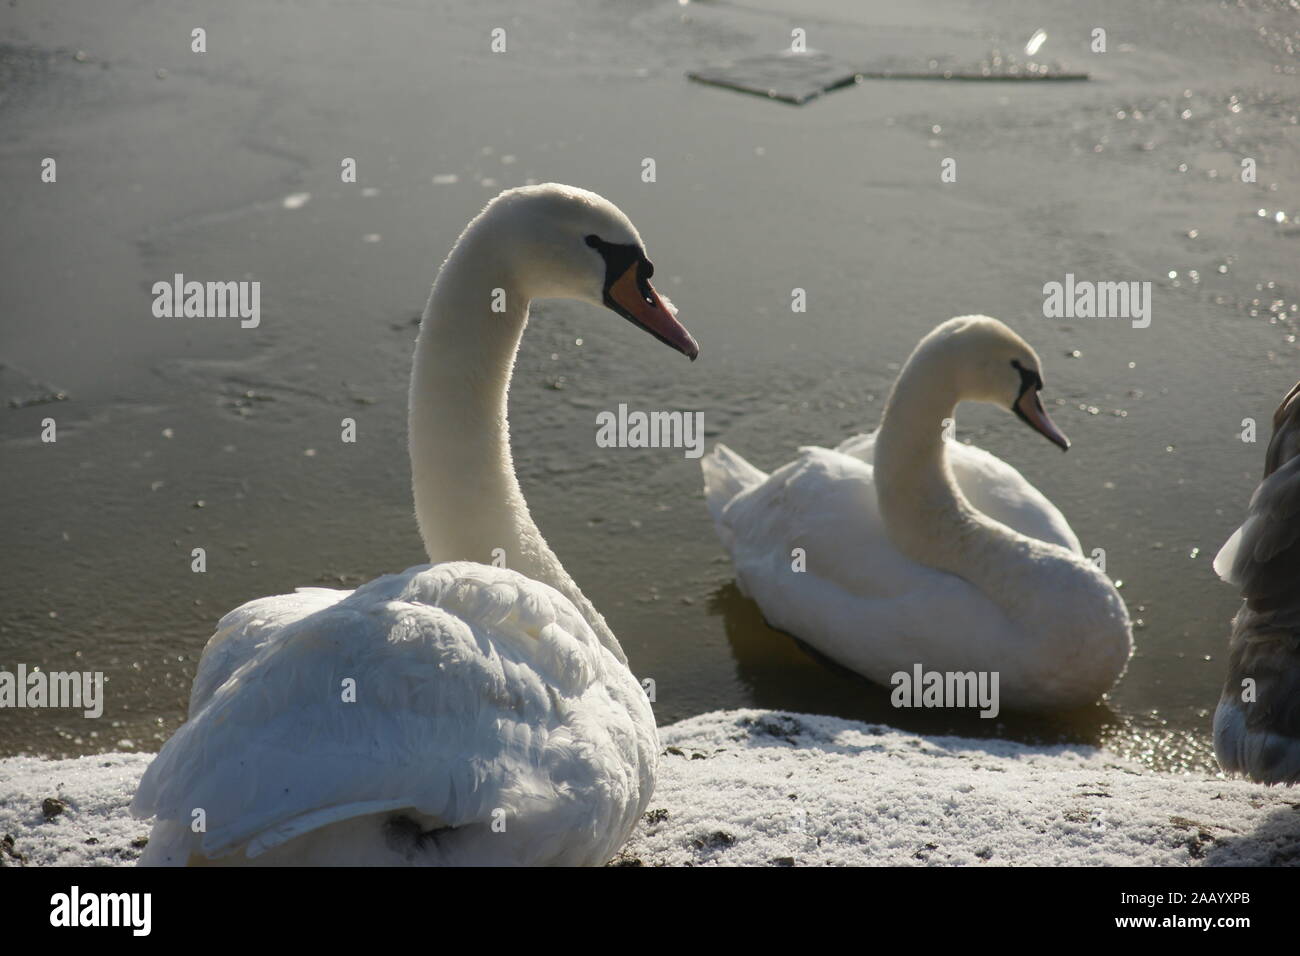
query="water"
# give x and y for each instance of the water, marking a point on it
(171, 161)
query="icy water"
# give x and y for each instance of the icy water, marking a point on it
(184, 433)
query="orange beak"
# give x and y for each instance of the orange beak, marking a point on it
(636, 300)
(1029, 407)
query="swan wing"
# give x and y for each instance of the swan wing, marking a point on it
(466, 693)
(823, 505)
(1262, 557)
(245, 630)
(810, 546)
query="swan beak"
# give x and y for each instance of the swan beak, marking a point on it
(1029, 408)
(637, 301)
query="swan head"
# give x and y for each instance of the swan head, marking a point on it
(570, 243)
(987, 362)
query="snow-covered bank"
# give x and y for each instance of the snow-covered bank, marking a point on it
(768, 788)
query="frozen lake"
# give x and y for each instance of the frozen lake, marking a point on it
(184, 433)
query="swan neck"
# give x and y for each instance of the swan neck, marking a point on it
(924, 511)
(468, 503)
(910, 458)
(467, 497)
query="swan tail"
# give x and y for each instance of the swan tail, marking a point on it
(726, 475)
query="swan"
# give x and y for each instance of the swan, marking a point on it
(919, 550)
(455, 713)
(1257, 721)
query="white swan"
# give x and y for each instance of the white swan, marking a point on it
(1257, 722)
(450, 714)
(925, 551)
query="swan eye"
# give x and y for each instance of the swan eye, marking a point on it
(1028, 377)
(619, 258)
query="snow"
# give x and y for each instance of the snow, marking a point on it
(95, 791)
(762, 788)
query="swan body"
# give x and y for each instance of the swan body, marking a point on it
(477, 690)
(456, 713)
(920, 550)
(1257, 721)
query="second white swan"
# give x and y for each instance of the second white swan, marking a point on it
(901, 548)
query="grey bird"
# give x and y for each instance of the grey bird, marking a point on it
(1257, 722)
